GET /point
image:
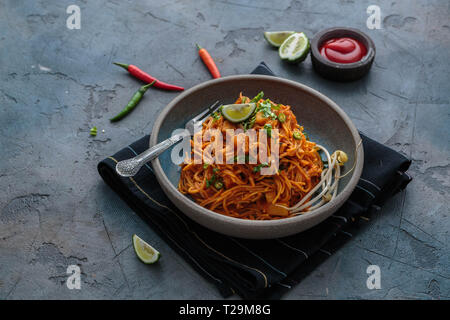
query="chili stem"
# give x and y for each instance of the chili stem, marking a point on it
(123, 65)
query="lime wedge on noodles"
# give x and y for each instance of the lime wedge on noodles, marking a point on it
(145, 252)
(276, 38)
(238, 112)
(295, 48)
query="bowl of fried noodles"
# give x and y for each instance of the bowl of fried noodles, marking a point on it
(288, 160)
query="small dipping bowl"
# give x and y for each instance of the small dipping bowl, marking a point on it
(341, 71)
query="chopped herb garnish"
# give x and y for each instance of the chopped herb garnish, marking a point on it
(214, 182)
(216, 116)
(266, 108)
(268, 128)
(211, 181)
(240, 158)
(306, 135)
(258, 167)
(258, 97)
(216, 170)
(93, 131)
(250, 122)
(277, 107)
(205, 166)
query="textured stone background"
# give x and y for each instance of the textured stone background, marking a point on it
(56, 83)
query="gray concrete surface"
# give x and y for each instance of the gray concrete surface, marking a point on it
(57, 83)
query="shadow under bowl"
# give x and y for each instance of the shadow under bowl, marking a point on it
(323, 120)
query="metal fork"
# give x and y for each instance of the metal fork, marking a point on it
(129, 167)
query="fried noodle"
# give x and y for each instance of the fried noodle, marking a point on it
(242, 191)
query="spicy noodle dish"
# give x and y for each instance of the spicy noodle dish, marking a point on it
(292, 175)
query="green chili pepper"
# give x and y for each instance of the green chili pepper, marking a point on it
(297, 135)
(133, 102)
(218, 185)
(281, 117)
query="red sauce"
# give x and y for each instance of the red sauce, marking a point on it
(343, 50)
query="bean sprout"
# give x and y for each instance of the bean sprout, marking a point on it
(328, 184)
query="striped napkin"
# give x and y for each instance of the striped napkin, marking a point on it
(257, 269)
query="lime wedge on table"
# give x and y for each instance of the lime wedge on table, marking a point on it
(238, 112)
(295, 48)
(146, 253)
(276, 38)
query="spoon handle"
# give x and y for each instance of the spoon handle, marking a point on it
(129, 167)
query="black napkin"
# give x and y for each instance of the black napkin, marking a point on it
(257, 269)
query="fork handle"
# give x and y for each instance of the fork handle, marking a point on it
(129, 167)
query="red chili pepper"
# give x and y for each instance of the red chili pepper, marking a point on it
(138, 73)
(209, 62)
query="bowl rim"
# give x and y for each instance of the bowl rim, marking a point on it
(317, 41)
(338, 201)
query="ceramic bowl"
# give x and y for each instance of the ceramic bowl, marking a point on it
(341, 71)
(323, 120)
